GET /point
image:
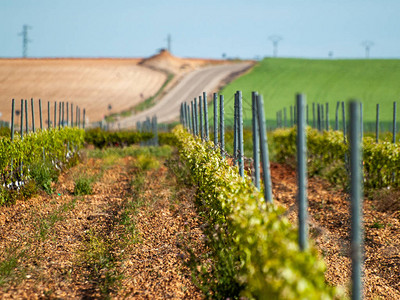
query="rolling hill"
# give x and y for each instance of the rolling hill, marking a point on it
(279, 79)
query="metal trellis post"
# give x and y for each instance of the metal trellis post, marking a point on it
(319, 117)
(22, 119)
(240, 134)
(33, 115)
(63, 110)
(12, 118)
(291, 116)
(284, 117)
(222, 124)
(264, 150)
(302, 172)
(72, 115)
(235, 135)
(207, 133)
(313, 113)
(356, 202)
(59, 114)
(196, 121)
(67, 107)
(344, 122)
(327, 116)
(48, 115)
(394, 122)
(26, 117)
(215, 100)
(337, 116)
(256, 141)
(377, 124)
(189, 118)
(55, 115)
(193, 119)
(40, 114)
(322, 117)
(201, 117)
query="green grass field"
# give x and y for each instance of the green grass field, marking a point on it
(279, 79)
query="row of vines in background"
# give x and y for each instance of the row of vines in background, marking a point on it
(317, 116)
(327, 157)
(327, 154)
(102, 138)
(34, 161)
(32, 158)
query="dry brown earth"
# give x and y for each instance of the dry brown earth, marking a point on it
(93, 84)
(330, 231)
(120, 242)
(90, 83)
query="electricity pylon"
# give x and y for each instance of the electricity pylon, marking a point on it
(169, 40)
(25, 39)
(367, 45)
(275, 39)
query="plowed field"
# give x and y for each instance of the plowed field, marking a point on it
(93, 84)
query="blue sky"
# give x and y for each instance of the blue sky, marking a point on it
(207, 28)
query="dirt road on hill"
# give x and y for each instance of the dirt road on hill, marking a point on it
(192, 85)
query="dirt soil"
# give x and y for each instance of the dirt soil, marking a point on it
(119, 242)
(93, 84)
(122, 241)
(330, 229)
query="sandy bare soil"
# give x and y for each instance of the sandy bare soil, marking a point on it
(93, 84)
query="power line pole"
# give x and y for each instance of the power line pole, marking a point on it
(367, 45)
(25, 39)
(169, 40)
(275, 39)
